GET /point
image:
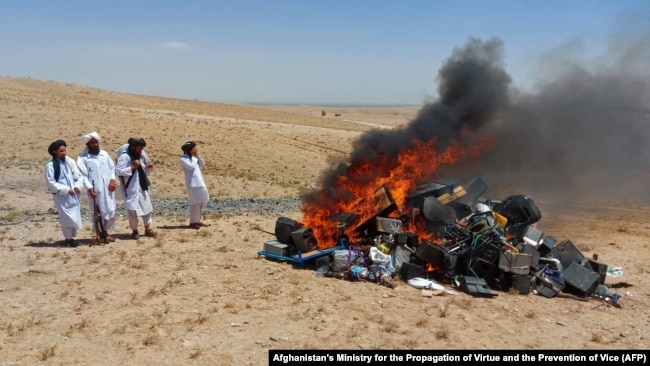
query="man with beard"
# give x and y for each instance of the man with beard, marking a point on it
(191, 162)
(134, 167)
(64, 182)
(98, 170)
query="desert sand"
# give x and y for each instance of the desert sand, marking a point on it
(206, 296)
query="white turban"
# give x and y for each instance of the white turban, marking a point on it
(90, 136)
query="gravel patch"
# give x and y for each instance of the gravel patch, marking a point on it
(229, 206)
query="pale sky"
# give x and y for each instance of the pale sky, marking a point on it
(352, 52)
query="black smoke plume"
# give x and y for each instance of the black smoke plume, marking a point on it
(580, 136)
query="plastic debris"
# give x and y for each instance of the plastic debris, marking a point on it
(615, 272)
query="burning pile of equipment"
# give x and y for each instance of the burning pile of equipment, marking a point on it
(381, 211)
(449, 234)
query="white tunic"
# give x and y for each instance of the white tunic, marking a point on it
(196, 189)
(97, 171)
(135, 199)
(68, 206)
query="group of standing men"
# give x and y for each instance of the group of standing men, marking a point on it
(95, 171)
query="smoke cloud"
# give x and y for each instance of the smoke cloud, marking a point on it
(580, 136)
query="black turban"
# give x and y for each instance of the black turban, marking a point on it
(188, 146)
(137, 142)
(55, 146)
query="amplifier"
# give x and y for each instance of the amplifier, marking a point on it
(277, 248)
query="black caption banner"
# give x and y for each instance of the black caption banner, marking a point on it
(424, 357)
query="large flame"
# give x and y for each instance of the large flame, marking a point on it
(355, 190)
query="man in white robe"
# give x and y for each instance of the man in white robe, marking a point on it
(191, 162)
(65, 182)
(98, 170)
(133, 168)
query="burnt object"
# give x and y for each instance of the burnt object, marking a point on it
(388, 225)
(598, 267)
(433, 254)
(474, 286)
(437, 213)
(384, 204)
(474, 190)
(548, 279)
(284, 226)
(439, 257)
(534, 256)
(520, 283)
(416, 199)
(580, 279)
(325, 260)
(547, 244)
(345, 219)
(485, 261)
(411, 270)
(532, 236)
(407, 238)
(520, 210)
(515, 263)
(566, 252)
(461, 209)
(304, 240)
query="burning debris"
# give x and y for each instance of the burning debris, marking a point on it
(580, 127)
(452, 235)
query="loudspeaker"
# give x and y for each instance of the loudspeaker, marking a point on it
(410, 270)
(284, 226)
(519, 209)
(304, 240)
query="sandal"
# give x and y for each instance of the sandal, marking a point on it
(135, 235)
(149, 233)
(107, 238)
(195, 225)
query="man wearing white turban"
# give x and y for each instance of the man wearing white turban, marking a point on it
(98, 171)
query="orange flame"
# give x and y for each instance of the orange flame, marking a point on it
(429, 268)
(356, 190)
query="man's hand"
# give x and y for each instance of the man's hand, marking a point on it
(111, 185)
(93, 194)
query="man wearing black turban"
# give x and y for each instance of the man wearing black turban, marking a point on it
(64, 181)
(191, 162)
(133, 167)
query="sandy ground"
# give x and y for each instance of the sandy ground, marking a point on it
(206, 296)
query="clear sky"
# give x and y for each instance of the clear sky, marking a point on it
(357, 52)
